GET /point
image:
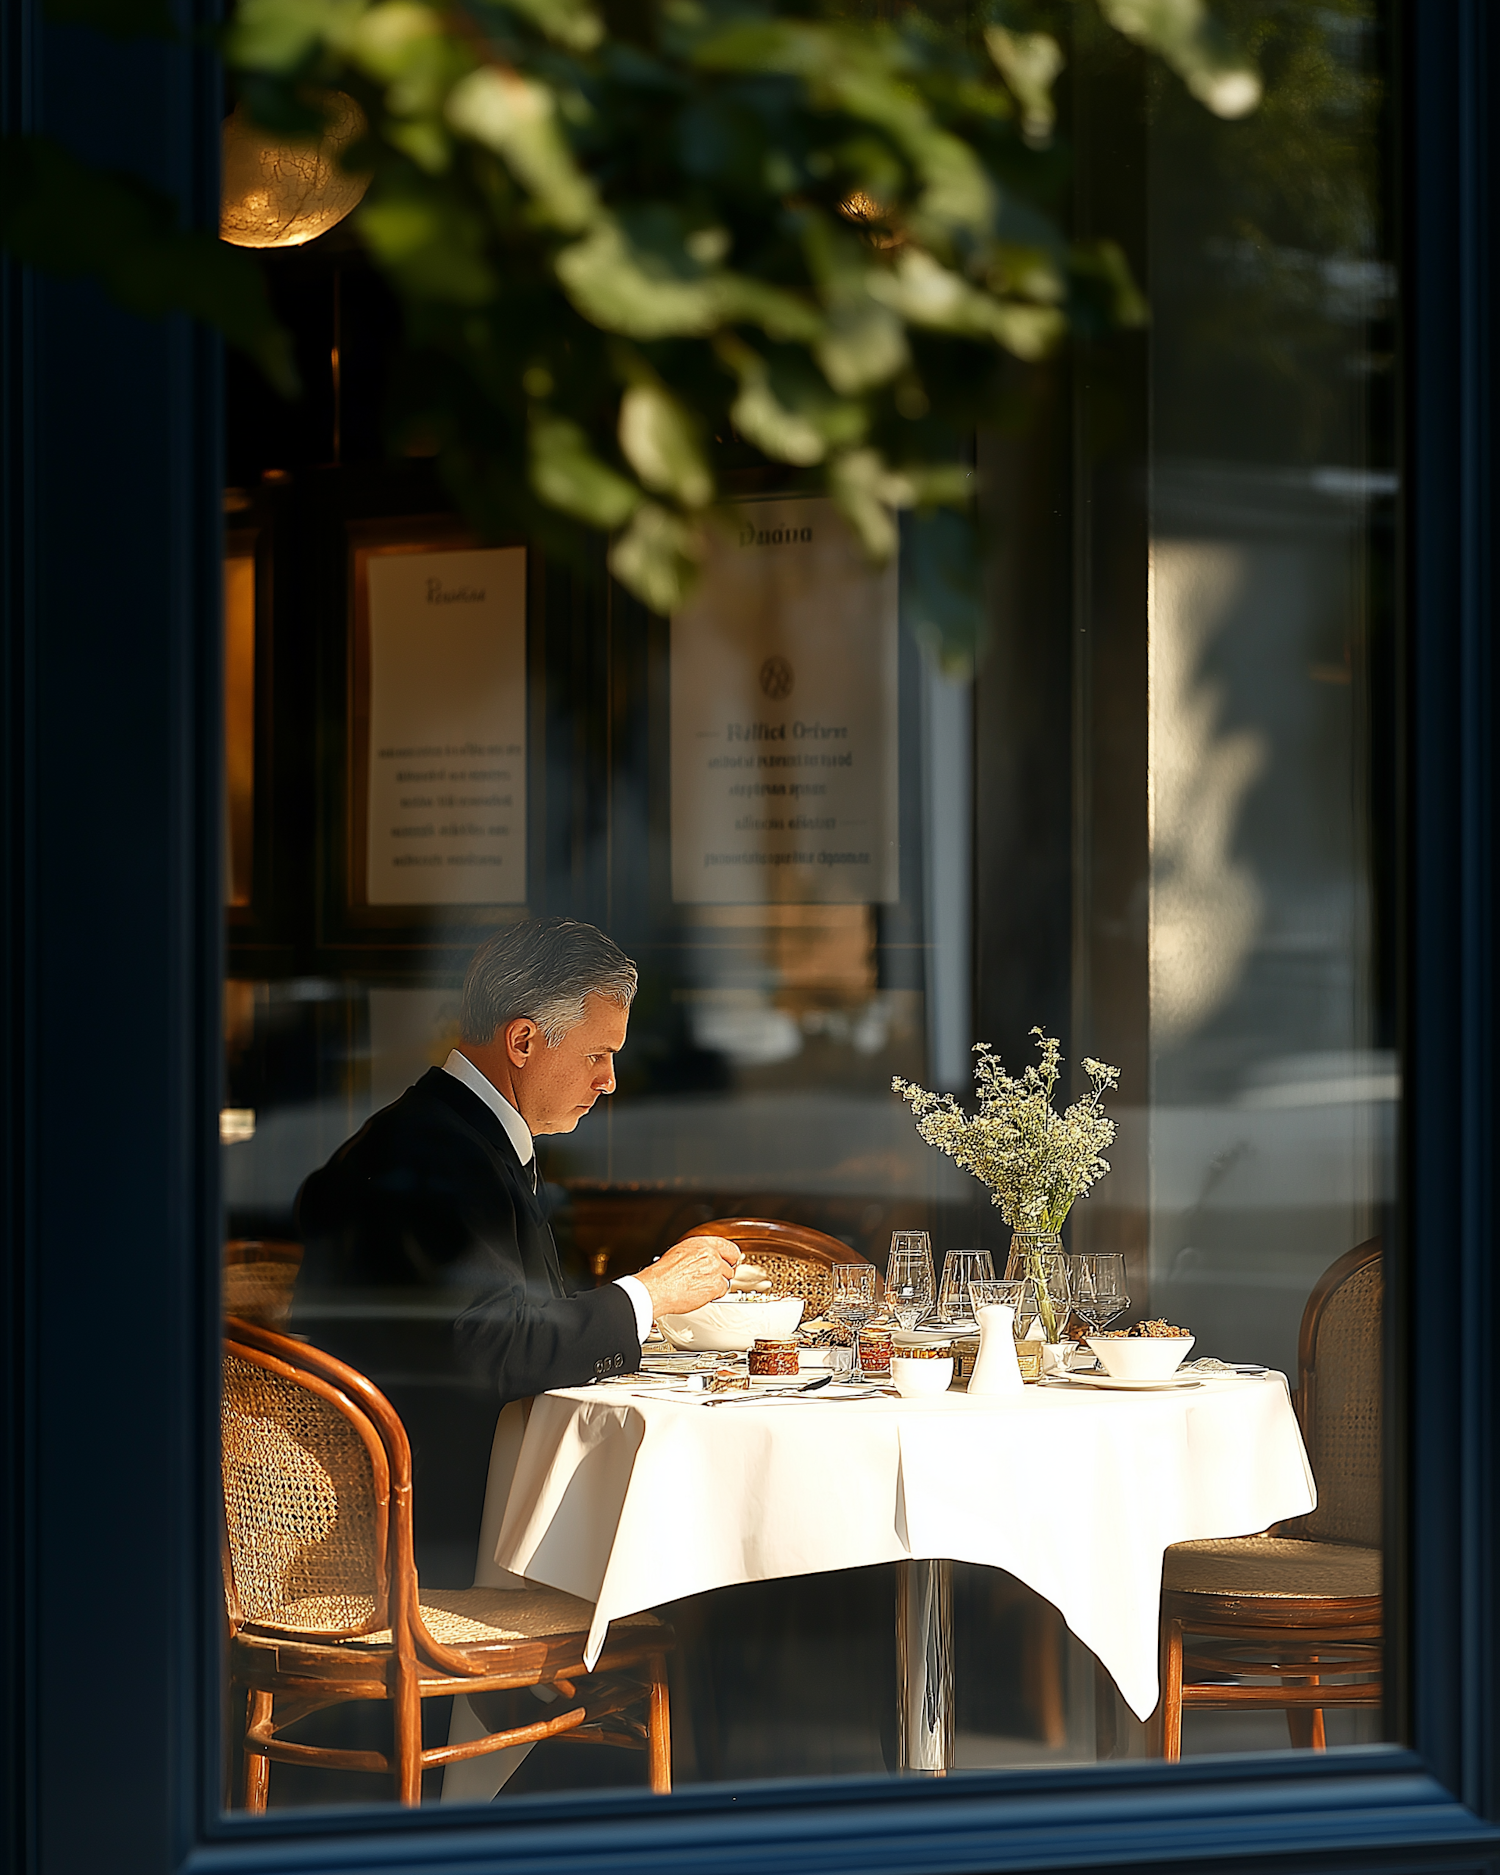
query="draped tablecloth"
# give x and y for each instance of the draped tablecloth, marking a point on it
(630, 1501)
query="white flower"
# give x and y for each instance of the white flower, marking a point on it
(1036, 1161)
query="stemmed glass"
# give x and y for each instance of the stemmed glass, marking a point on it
(960, 1268)
(1053, 1276)
(1099, 1287)
(908, 1277)
(853, 1304)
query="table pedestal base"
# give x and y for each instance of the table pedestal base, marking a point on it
(924, 1666)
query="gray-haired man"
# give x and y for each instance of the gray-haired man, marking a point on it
(439, 1190)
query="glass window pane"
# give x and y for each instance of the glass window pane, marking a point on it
(805, 861)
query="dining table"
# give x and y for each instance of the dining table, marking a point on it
(632, 1495)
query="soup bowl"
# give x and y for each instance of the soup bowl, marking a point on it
(732, 1324)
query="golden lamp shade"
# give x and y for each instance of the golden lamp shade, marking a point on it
(280, 193)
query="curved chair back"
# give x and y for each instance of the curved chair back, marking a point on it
(258, 1278)
(1339, 1399)
(799, 1260)
(317, 1491)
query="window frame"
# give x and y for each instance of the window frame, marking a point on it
(111, 681)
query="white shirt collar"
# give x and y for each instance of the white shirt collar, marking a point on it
(518, 1132)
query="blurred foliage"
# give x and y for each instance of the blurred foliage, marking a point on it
(1269, 277)
(636, 240)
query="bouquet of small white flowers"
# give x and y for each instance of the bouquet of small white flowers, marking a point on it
(1036, 1161)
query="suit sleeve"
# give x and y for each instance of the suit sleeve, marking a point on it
(433, 1216)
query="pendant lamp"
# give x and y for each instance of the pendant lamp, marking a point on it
(277, 192)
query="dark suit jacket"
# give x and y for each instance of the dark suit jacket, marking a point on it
(429, 1199)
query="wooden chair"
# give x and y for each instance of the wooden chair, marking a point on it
(259, 1276)
(325, 1607)
(799, 1260)
(1292, 1618)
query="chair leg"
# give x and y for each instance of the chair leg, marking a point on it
(1041, 1674)
(257, 1784)
(1168, 1716)
(406, 1703)
(659, 1728)
(1106, 1716)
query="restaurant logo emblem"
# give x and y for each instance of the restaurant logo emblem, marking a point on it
(776, 679)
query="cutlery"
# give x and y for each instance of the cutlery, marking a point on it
(769, 1393)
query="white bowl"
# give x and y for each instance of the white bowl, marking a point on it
(1141, 1357)
(729, 1327)
(914, 1380)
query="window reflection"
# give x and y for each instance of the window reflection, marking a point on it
(1148, 821)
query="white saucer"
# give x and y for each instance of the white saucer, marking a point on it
(1174, 1383)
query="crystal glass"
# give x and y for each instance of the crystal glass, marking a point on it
(1046, 1265)
(960, 1268)
(986, 1294)
(908, 1277)
(853, 1304)
(1099, 1287)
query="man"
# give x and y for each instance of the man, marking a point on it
(439, 1193)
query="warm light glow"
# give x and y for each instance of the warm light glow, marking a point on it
(278, 193)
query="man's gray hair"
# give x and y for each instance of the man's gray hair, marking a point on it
(543, 970)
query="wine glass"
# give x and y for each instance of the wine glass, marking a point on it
(1050, 1269)
(908, 1277)
(853, 1304)
(1099, 1287)
(960, 1268)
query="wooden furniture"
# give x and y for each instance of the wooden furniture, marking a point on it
(259, 1275)
(799, 1260)
(325, 1607)
(1292, 1618)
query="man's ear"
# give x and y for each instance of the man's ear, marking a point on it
(520, 1037)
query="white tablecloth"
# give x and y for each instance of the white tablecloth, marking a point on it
(634, 1501)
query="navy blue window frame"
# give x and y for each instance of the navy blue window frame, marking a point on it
(112, 933)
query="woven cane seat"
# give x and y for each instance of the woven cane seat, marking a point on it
(474, 1617)
(1278, 1567)
(799, 1260)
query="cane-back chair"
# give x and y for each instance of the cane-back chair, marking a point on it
(259, 1276)
(1292, 1618)
(324, 1604)
(799, 1260)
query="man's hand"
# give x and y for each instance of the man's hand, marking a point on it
(693, 1272)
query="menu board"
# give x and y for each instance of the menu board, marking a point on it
(446, 802)
(784, 717)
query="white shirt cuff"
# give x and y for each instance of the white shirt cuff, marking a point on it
(640, 1301)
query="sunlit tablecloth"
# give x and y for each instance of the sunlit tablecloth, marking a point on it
(633, 1501)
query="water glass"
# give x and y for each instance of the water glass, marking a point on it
(1099, 1287)
(853, 1304)
(908, 1277)
(960, 1268)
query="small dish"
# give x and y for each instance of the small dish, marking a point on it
(916, 1380)
(1141, 1357)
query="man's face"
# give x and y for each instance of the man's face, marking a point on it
(555, 1087)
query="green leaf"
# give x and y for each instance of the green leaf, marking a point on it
(432, 243)
(658, 557)
(517, 119)
(283, 35)
(926, 294)
(1196, 46)
(868, 491)
(1029, 63)
(567, 475)
(660, 442)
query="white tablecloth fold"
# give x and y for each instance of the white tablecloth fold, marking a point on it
(631, 1502)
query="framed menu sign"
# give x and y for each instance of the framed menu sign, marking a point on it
(784, 717)
(439, 744)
